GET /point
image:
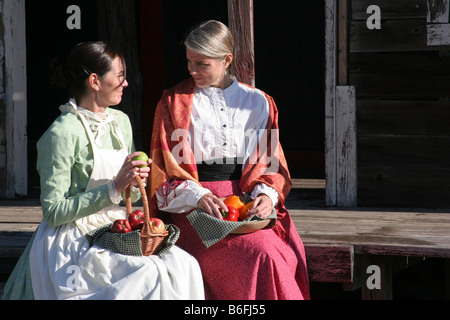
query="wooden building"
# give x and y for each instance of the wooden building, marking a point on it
(361, 86)
(388, 103)
(150, 33)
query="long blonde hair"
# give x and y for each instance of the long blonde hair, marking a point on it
(212, 39)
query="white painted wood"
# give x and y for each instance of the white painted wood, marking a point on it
(346, 156)
(330, 94)
(15, 96)
(438, 11)
(438, 34)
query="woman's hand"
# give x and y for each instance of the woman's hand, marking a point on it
(262, 207)
(212, 205)
(130, 170)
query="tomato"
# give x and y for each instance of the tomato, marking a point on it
(244, 210)
(142, 157)
(234, 201)
(231, 215)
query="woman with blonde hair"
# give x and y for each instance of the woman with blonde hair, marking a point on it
(202, 152)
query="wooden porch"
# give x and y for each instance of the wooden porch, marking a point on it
(340, 243)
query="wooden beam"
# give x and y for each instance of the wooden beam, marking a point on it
(438, 34)
(395, 10)
(346, 159)
(330, 263)
(15, 98)
(240, 20)
(407, 76)
(343, 46)
(330, 100)
(438, 11)
(395, 35)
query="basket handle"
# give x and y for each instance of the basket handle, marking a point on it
(144, 200)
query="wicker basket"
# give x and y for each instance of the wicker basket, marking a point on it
(151, 243)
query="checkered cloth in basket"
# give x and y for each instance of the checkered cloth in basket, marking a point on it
(212, 230)
(128, 243)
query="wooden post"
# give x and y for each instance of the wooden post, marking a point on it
(15, 98)
(340, 112)
(330, 99)
(342, 46)
(240, 17)
(346, 157)
(438, 11)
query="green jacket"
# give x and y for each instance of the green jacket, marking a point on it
(65, 162)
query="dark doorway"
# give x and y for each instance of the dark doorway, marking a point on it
(290, 66)
(164, 25)
(48, 38)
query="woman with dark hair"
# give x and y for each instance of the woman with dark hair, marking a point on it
(85, 164)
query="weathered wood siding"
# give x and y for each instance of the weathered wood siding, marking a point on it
(13, 100)
(2, 114)
(240, 21)
(401, 74)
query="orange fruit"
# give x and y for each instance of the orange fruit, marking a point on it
(234, 201)
(244, 210)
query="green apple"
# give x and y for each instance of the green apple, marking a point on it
(142, 157)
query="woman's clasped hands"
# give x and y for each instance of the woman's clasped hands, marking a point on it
(209, 203)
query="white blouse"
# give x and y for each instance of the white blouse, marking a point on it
(224, 124)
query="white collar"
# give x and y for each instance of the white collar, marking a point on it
(100, 122)
(227, 92)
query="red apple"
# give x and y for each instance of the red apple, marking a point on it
(157, 225)
(136, 219)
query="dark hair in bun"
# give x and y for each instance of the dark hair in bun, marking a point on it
(85, 59)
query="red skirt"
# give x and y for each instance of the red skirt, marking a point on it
(264, 265)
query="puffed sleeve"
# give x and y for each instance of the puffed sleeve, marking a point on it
(57, 150)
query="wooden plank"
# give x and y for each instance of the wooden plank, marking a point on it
(330, 263)
(346, 175)
(404, 76)
(438, 11)
(240, 13)
(18, 227)
(394, 36)
(401, 170)
(438, 34)
(410, 232)
(394, 186)
(20, 214)
(404, 151)
(343, 43)
(330, 100)
(399, 9)
(308, 183)
(403, 117)
(15, 98)
(372, 228)
(12, 244)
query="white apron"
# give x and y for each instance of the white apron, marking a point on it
(64, 267)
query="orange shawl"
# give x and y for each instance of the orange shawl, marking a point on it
(174, 112)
